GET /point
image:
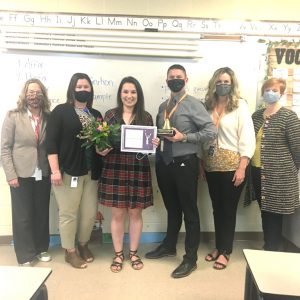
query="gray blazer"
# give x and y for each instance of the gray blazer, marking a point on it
(20, 152)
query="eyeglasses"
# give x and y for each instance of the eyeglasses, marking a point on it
(33, 93)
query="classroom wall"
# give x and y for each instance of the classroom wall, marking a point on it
(246, 59)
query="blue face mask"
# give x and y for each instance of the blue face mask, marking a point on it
(271, 97)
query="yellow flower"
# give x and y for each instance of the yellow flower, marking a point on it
(99, 134)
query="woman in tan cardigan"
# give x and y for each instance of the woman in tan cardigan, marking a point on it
(25, 164)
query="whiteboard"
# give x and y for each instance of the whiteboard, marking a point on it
(106, 72)
(55, 70)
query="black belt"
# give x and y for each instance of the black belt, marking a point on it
(179, 159)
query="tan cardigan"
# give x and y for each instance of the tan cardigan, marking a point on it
(19, 151)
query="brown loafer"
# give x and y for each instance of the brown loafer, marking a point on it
(74, 260)
(85, 253)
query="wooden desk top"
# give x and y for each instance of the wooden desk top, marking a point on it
(275, 273)
(20, 283)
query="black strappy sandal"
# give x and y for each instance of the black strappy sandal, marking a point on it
(212, 256)
(221, 266)
(136, 264)
(117, 266)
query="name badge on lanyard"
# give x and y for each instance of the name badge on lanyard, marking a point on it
(38, 174)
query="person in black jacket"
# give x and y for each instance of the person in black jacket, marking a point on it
(74, 169)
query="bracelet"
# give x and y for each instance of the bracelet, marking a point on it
(184, 140)
(55, 172)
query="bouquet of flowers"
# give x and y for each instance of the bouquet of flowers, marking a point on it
(99, 133)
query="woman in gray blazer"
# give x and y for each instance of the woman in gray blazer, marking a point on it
(25, 164)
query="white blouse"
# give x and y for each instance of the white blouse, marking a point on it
(236, 131)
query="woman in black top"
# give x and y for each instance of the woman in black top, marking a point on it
(74, 169)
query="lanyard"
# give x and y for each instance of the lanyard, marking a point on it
(168, 115)
(217, 123)
(36, 121)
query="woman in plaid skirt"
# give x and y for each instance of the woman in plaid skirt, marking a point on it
(125, 183)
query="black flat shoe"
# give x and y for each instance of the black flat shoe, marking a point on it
(184, 269)
(159, 252)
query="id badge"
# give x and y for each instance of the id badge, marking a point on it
(211, 150)
(38, 174)
(74, 181)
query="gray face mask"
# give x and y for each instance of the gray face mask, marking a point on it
(223, 89)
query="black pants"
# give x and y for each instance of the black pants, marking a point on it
(30, 217)
(271, 222)
(225, 197)
(178, 185)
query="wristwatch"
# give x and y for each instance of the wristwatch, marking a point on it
(184, 140)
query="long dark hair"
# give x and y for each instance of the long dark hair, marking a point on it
(139, 108)
(72, 86)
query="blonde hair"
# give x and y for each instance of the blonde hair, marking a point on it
(272, 81)
(21, 104)
(211, 97)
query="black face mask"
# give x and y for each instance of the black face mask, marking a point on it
(83, 96)
(176, 85)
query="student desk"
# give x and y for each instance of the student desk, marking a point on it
(272, 275)
(21, 283)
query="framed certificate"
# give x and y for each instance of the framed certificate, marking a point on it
(135, 138)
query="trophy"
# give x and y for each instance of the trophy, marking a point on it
(165, 131)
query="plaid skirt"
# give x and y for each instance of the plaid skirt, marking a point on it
(125, 181)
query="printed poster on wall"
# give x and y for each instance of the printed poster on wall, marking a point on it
(284, 62)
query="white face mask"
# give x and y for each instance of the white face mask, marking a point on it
(271, 97)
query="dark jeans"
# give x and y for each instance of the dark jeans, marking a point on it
(271, 222)
(178, 185)
(30, 217)
(224, 197)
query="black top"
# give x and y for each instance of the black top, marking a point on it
(61, 138)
